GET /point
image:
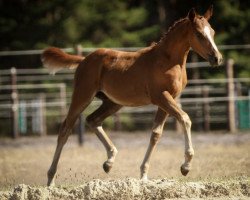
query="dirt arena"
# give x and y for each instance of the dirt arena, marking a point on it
(221, 168)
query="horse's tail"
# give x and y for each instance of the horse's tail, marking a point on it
(55, 59)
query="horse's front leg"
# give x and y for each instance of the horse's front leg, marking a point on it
(168, 104)
(159, 121)
(189, 151)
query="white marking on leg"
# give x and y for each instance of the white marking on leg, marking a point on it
(110, 148)
(209, 36)
(157, 128)
(156, 134)
(189, 152)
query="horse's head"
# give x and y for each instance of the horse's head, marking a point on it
(202, 37)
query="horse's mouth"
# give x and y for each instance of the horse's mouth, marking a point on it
(215, 61)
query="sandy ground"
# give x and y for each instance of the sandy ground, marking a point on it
(221, 168)
(134, 189)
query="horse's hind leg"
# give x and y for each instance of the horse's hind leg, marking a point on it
(95, 123)
(159, 122)
(80, 100)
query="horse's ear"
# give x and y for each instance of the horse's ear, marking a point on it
(192, 14)
(209, 13)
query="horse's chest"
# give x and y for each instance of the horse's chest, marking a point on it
(175, 81)
(174, 87)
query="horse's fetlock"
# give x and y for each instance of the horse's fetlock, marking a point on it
(189, 153)
(113, 151)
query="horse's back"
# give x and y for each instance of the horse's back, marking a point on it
(122, 78)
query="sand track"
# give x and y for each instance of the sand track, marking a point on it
(220, 168)
(134, 189)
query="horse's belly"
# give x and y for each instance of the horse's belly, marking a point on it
(128, 88)
(126, 97)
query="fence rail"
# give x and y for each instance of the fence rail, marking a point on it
(209, 102)
(91, 49)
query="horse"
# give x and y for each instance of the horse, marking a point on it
(152, 75)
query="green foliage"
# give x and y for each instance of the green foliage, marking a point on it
(112, 25)
(127, 122)
(28, 24)
(232, 26)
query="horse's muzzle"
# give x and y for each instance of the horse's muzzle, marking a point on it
(216, 59)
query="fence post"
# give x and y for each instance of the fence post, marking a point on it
(230, 92)
(81, 129)
(14, 99)
(22, 117)
(117, 122)
(42, 113)
(39, 115)
(206, 109)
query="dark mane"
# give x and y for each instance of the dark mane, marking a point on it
(171, 28)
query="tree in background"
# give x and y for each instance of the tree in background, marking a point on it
(112, 24)
(29, 24)
(233, 27)
(36, 24)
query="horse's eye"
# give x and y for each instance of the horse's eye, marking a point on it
(199, 35)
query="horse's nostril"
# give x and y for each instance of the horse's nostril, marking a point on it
(216, 59)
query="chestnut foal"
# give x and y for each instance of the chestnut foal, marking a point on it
(153, 75)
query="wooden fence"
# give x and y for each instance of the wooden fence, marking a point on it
(201, 96)
(209, 102)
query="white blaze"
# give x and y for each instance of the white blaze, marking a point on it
(208, 34)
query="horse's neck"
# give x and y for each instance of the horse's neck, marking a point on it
(175, 45)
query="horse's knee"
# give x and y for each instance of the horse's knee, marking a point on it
(155, 137)
(92, 122)
(156, 133)
(186, 121)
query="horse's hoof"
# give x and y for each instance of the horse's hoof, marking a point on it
(51, 183)
(107, 166)
(184, 170)
(144, 178)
